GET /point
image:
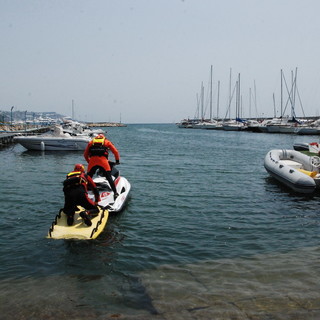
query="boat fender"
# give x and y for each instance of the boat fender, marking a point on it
(43, 147)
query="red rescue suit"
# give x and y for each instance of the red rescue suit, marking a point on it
(96, 153)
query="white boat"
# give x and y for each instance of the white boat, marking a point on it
(308, 131)
(207, 124)
(294, 169)
(253, 125)
(312, 128)
(233, 125)
(187, 123)
(291, 128)
(55, 140)
(277, 125)
(312, 147)
(76, 128)
(106, 195)
(265, 123)
(217, 125)
(301, 146)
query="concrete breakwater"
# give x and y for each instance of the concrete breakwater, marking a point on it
(105, 124)
(22, 127)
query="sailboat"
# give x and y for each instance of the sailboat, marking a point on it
(237, 124)
(286, 124)
(211, 123)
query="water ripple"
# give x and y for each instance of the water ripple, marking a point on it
(196, 196)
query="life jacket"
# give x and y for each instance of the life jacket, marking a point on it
(98, 148)
(75, 178)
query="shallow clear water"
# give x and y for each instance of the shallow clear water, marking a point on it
(197, 196)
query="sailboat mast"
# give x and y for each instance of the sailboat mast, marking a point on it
(250, 103)
(255, 98)
(238, 98)
(240, 101)
(218, 100)
(196, 116)
(237, 93)
(281, 95)
(229, 92)
(294, 94)
(211, 94)
(202, 102)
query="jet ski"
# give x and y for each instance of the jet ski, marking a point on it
(106, 194)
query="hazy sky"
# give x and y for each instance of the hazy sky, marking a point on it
(145, 59)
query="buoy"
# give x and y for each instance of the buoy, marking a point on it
(42, 146)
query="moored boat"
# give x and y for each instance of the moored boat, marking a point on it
(55, 140)
(312, 147)
(294, 169)
(301, 146)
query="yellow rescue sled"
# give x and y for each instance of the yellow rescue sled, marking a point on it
(79, 230)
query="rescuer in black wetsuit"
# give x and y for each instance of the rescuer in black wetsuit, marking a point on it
(75, 188)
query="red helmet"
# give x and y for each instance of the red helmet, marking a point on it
(79, 167)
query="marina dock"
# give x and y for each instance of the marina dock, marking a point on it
(7, 136)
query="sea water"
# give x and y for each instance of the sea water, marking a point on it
(206, 232)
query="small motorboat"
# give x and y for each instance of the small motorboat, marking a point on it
(106, 195)
(313, 147)
(55, 140)
(294, 169)
(302, 146)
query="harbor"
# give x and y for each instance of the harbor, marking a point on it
(286, 122)
(7, 135)
(305, 126)
(160, 160)
(8, 131)
(229, 243)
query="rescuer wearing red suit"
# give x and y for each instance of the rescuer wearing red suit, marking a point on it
(75, 188)
(96, 154)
